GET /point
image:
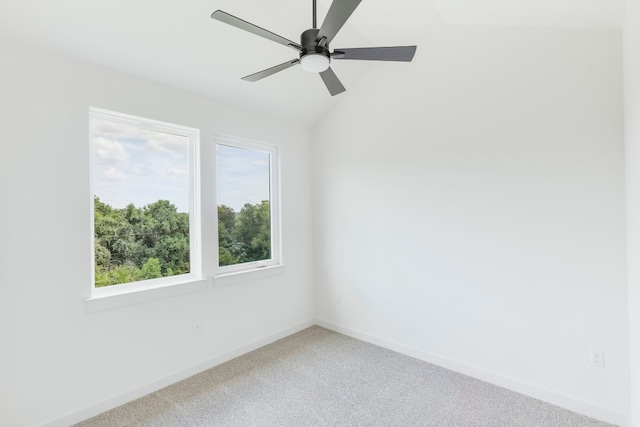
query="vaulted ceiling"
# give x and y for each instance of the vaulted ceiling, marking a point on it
(177, 43)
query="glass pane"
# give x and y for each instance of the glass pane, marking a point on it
(244, 213)
(141, 197)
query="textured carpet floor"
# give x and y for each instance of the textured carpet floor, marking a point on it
(321, 378)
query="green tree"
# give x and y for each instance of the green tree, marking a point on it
(164, 233)
(102, 254)
(226, 216)
(151, 269)
(253, 230)
(230, 251)
(113, 233)
(144, 243)
(139, 243)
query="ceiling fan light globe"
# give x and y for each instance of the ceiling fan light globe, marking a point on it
(314, 62)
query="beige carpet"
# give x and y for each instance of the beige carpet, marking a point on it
(321, 378)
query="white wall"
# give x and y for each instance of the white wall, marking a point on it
(471, 211)
(58, 362)
(632, 146)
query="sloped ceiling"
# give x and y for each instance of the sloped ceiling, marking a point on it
(177, 43)
(586, 14)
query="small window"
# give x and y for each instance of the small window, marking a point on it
(144, 201)
(248, 214)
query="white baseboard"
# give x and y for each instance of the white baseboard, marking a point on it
(114, 402)
(490, 377)
(487, 376)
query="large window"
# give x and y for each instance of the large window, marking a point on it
(247, 184)
(144, 200)
(145, 205)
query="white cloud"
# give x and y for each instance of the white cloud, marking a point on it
(107, 152)
(176, 172)
(112, 129)
(114, 174)
(140, 166)
(175, 145)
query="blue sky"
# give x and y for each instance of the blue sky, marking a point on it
(132, 165)
(243, 176)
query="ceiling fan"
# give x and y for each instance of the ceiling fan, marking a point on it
(315, 54)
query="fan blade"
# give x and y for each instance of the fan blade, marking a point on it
(247, 26)
(269, 71)
(337, 15)
(331, 81)
(396, 53)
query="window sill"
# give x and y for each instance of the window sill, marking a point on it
(257, 273)
(115, 298)
(129, 297)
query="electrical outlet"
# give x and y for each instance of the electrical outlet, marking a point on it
(596, 359)
(197, 329)
(338, 299)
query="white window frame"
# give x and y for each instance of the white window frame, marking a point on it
(274, 206)
(195, 233)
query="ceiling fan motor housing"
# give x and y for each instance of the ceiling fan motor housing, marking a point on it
(310, 45)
